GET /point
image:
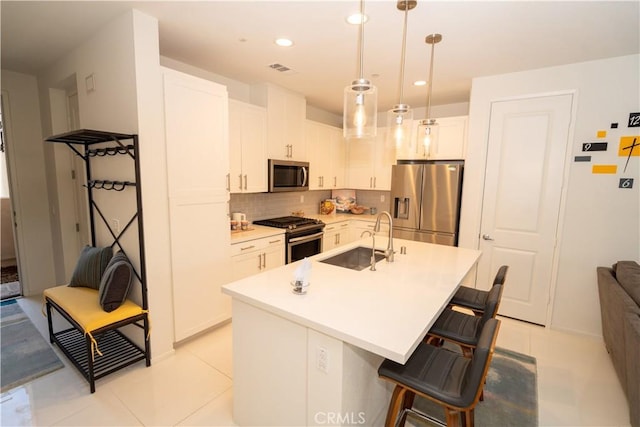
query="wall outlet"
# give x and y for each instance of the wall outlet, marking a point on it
(301, 198)
(115, 225)
(322, 359)
(382, 198)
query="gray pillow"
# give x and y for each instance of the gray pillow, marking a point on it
(115, 283)
(90, 267)
(628, 275)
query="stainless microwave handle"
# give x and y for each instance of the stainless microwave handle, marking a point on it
(304, 176)
(305, 238)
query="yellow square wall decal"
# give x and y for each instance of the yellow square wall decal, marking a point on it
(604, 169)
(629, 146)
(602, 134)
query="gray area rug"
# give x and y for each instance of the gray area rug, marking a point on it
(24, 353)
(510, 394)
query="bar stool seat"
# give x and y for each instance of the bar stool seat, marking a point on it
(464, 329)
(475, 299)
(443, 376)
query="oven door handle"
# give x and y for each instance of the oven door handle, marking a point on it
(306, 238)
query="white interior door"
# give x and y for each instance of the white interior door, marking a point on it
(523, 188)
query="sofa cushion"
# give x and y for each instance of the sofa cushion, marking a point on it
(628, 275)
(632, 344)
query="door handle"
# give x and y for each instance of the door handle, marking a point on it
(487, 237)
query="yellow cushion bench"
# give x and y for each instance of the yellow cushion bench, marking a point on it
(94, 344)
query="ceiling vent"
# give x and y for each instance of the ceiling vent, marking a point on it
(281, 68)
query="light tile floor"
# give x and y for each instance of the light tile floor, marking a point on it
(577, 385)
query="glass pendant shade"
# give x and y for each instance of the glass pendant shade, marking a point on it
(399, 121)
(428, 131)
(360, 110)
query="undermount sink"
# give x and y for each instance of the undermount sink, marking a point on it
(357, 258)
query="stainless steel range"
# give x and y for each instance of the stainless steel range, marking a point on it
(303, 235)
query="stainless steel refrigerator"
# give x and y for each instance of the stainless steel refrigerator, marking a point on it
(425, 201)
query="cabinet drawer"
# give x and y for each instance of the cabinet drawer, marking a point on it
(336, 226)
(256, 245)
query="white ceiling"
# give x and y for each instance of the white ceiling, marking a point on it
(480, 38)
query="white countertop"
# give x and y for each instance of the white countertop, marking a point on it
(386, 312)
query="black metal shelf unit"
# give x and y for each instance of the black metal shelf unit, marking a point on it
(118, 350)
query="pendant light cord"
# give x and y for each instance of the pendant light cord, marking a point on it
(433, 45)
(361, 40)
(404, 47)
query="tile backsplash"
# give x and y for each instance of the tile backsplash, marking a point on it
(271, 205)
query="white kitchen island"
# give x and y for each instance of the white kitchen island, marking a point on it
(312, 359)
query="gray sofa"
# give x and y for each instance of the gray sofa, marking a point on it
(619, 292)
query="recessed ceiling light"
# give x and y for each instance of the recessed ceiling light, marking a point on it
(419, 83)
(283, 42)
(356, 18)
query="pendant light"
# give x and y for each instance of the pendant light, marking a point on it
(400, 117)
(428, 128)
(360, 98)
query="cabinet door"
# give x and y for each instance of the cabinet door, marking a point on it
(273, 257)
(254, 149)
(246, 265)
(295, 116)
(236, 122)
(384, 158)
(369, 162)
(255, 256)
(318, 144)
(452, 140)
(336, 235)
(318, 157)
(451, 143)
(360, 163)
(196, 123)
(337, 178)
(286, 114)
(248, 147)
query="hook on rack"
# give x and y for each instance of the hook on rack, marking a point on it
(111, 151)
(99, 184)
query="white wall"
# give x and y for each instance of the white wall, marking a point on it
(601, 223)
(25, 148)
(123, 58)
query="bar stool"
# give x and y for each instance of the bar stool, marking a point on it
(475, 299)
(464, 329)
(448, 378)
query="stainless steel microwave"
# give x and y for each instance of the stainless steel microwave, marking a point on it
(287, 175)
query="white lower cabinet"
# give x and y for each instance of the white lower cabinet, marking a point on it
(255, 256)
(358, 227)
(336, 234)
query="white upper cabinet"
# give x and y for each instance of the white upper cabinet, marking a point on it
(286, 115)
(369, 162)
(451, 144)
(327, 154)
(247, 147)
